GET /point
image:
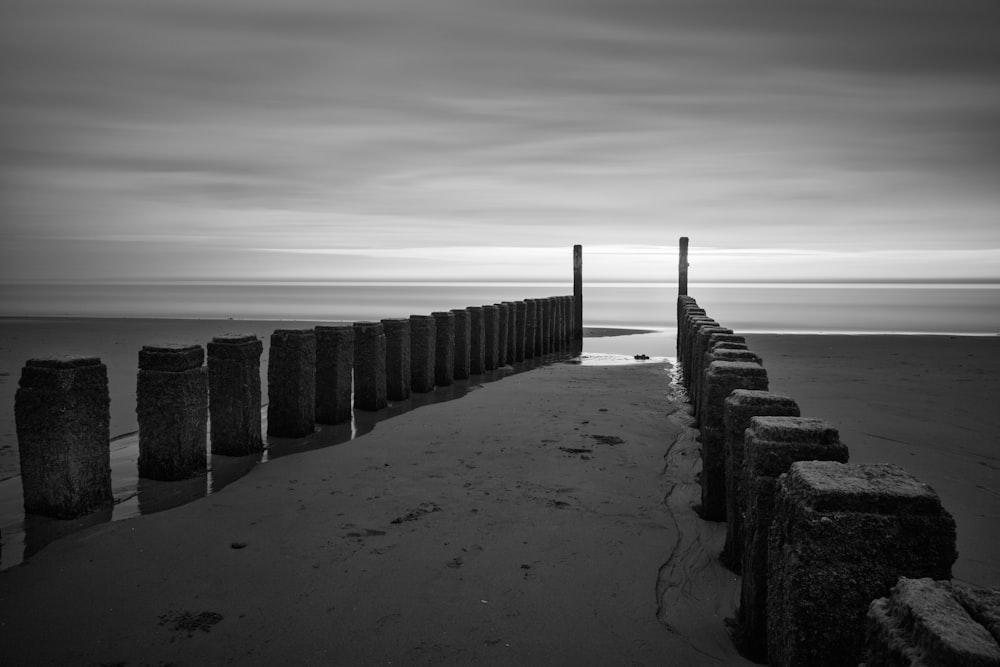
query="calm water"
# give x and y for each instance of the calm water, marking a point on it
(831, 308)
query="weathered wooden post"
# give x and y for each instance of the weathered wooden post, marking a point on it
(444, 348)
(842, 536)
(369, 366)
(334, 373)
(63, 421)
(397, 358)
(491, 318)
(172, 410)
(682, 274)
(463, 343)
(531, 328)
(741, 407)
(503, 319)
(512, 322)
(423, 345)
(477, 338)
(578, 293)
(291, 383)
(234, 394)
(772, 445)
(519, 333)
(721, 379)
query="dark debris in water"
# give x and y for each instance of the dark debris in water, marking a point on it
(189, 622)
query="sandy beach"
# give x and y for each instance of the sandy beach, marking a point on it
(542, 518)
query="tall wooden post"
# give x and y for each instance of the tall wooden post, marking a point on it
(682, 277)
(578, 293)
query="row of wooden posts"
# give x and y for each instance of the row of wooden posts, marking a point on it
(314, 376)
(830, 554)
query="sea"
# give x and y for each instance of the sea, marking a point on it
(835, 308)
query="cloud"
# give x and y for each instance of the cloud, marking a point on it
(399, 124)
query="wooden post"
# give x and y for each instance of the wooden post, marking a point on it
(682, 277)
(578, 293)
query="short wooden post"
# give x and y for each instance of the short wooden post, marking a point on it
(423, 347)
(477, 338)
(291, 383)
(369, 366)
(334, 373)
(234, 394)
(463, 343)
(491, 318)
(397, 358)
(62, 416)
(444, 353)
(172, 410)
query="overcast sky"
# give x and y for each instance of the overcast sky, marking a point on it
(478, 139)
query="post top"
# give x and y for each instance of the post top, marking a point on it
(170, 357)
(63, 361)
(443, 313)
(873, 488)
(234, 339)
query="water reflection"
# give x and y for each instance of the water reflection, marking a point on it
(25, 535)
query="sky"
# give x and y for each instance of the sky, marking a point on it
(230, 140)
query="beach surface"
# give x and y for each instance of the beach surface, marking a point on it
(925, 403)
(543, 519)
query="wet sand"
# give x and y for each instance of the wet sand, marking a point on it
(543, 519)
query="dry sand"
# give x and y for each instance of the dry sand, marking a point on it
(926, 403)
(542, 519)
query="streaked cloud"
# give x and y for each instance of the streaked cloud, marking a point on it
(221, 138)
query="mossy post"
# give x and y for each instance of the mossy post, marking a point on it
(943, 622)
(397, 358)
(63, 421)
(477, 338)
(512, 338)
(172, 410)
(740, 408)
(578, 293)
(234, 400)
(463, 343)
(544, 322)
(503, 323)
(700, 364)
(291, 383)
(334, 373)
(423, 346)
(444, 348)
(369, 366)
(772, 445)
(721, 379)
(842, 536)
(491, 320)
(530, 328)
(519, 333)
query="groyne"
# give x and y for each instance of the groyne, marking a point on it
(841, 563)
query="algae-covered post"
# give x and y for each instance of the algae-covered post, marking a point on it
(503, 319)
(522, 323)
(234, 394)
(463, 343)
(741, 407)
(444, 352)
(369, 366)
(512, 339)
(578, 293)
(291, 383)
(63, 421)
(842, 536)
(491, 319)
(423, 345)
(772, 445)
(477, 338)
(397, 358)
(334, 370)
(682, 269)
(172, 411)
